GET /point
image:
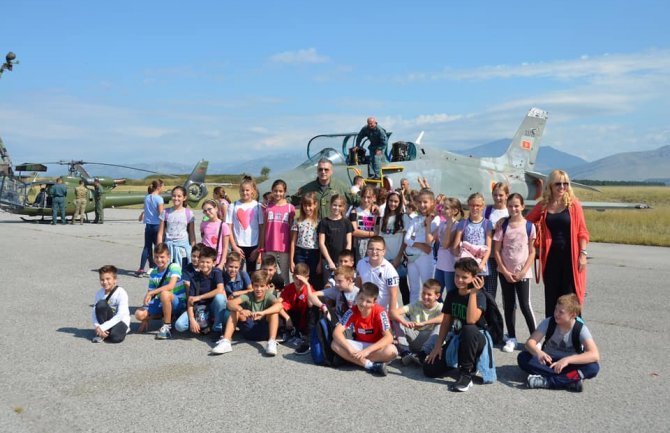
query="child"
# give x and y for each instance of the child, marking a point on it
(392, 229)
(377, 270)
(358, 184)
(256, 315)
(111, 316)
(514, 251)
(245, 220)
(565, 359)
(475, 231)
(419, 241)
(166, 294)
(276, 281)
(418, 335)
(295, 305)
(444, 268)
(334, 234)
(346, 259)
(153, 208)
(364, 221)
(463, 310)
(343, 294)
(205, 293)
(236, 282)
(177, 228)
(214, 232)
(276, 237)
(494, 213)
(305, 239)
(191, 268)
(372, 346)
(222, 200)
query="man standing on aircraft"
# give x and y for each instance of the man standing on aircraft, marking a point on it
(58, 192)
(325, 187)
(98, 191)
(378, 141)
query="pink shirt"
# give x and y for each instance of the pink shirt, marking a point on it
(514, 251)
(278, 219)
(209, 231)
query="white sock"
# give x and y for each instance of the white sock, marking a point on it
(368, 364)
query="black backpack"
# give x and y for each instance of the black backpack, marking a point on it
(576, 330)
(494, 319)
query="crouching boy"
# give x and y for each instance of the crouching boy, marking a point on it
(568, 356)
(372, 346)
(256, 314)
(111, 316)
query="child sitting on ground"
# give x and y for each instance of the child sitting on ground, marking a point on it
(276, 281)
(419, 324)
(295, 307)
(346, 259)
(111, 317)
(236, 282)
(166, 295)
(256, 315)
(568, 356)
(372, 346)
(343, 294)
(191, 268)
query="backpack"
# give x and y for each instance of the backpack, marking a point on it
(576, 330)
(494, 319)
(321, 338)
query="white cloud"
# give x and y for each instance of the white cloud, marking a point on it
(308, 55)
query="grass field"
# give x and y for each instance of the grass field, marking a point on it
(637, 227)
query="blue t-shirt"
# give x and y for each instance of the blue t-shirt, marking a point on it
(199, 284)
(241, 282)
(151, 203)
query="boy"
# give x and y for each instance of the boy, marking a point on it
(295, 306)
(191, 268)
(346, 258)
(256, 315)
(419, 324)
(359, 182)
(463, 309)
(377, 270)
(276, 281)
(372, 346)
(343, 294)
(111, 317)
(236, 282)
(565, 359)
(205, 292)
(166, 294)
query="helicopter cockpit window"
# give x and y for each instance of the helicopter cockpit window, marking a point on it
(403, 151)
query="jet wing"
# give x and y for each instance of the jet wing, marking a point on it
(600, 205)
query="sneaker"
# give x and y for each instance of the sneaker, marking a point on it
(510, 345)
(222, 346)
(294, 342)
(536, 381)
(97, 339)
(379, 368)
(271, 348)
(412, 359)
(164, 333)
(303, 349)
(576, 386)
(463, 383)
(140, 273)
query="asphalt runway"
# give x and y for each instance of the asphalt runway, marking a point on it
(52, 378)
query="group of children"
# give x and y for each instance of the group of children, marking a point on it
(363, 255)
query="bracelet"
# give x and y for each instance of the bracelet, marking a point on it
(583, 252)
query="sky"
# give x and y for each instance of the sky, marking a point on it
(150, 81)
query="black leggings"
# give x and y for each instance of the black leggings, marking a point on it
(103, 313)
(250, 264)
(522, 291)
(558, 278)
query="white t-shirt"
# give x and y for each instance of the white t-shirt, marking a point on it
(383, 276)
(340, 297)
(245, 219)
(119, 303)
(177, 224)
(416, 232)
(497, 214)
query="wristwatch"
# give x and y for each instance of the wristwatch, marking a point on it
(583, 252)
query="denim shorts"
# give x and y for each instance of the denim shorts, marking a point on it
(155, 307)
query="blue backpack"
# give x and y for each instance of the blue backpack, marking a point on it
(320, 340)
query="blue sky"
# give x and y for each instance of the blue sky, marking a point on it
(143, 81)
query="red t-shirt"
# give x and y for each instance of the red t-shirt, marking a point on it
(294, 299)
(367, 329)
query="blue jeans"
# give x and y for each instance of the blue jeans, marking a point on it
(216, 309)
(571, 373)
(150, 234)
(446, 280)
(309, 257)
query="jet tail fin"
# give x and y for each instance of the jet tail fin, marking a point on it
(195, 184)
(523, 149)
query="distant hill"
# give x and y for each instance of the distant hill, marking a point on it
(548, 158)
(650, 165)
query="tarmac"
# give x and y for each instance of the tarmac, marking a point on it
(52, 378)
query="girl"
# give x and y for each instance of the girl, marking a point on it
(476, 230)
(494, 213)
(177, 228)
(392, 229)
(419, 243)
(364, 221)
(334, 235)
(214, 232)
(514, 250)
(444, 269)
(305, 239)
(276, 237)
(222, 200)
(245, 220)
(153, 208)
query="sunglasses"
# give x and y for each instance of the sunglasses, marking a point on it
(563, 184)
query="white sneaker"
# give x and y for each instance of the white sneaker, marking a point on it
(271, 348)
(510, 345)
(222, 346)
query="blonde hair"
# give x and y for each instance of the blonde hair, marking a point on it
(571, 304)
(248, 180)
(552, 178)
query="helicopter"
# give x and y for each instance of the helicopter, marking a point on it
(453, 174)
(28, 198)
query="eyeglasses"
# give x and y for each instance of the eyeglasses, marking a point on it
(208, 209)
(323, 169)
(562, 184)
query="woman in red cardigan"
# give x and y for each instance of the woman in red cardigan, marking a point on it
(563, 237)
